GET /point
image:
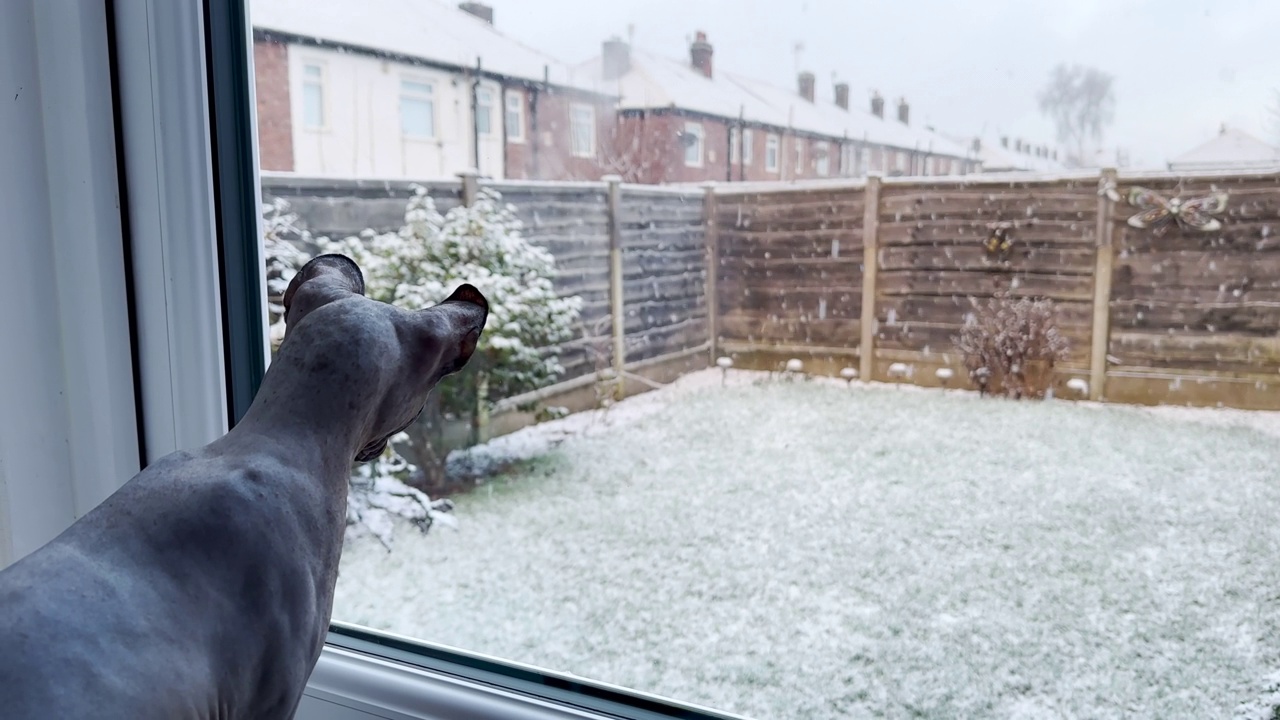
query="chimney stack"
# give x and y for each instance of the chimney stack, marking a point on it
(877, 105)
(615, 60)
(479, 9)
(700, 53)
(842, 95)
(904, 112)
(1004, 141)
(807, 81)
(977, 145)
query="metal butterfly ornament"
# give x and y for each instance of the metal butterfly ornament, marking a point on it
(1159, 214)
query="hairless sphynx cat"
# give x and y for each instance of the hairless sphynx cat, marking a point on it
(203, 587)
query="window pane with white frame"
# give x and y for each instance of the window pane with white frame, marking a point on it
(582, 129)
(515, 115)
(694, 141)
(484, 111)
(313, 96)
(603, 555)
(417, 109)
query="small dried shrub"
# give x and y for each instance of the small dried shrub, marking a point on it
(1011, 345)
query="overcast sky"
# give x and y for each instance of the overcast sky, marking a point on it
(1182, 67)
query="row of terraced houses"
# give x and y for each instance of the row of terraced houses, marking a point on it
(391, 89)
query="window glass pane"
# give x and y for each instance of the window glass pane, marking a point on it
(582, 130)
(515, 115)
(417, 117)
(313, 96)
(681, 467)
(484, 112)
(693, 141)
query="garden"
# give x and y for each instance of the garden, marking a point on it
(787, 545)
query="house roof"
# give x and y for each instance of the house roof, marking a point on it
(655, 82)
(1232, 148)
(424, 29)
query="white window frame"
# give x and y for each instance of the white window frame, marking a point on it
(899, 160)
(772, 153)
(695, 154)
(484, 109)
(429, 96)
(799, 143)
(735, 145)
(513, 115)
(579, 149)
(822, 158)
(748, 146)
(321, 83)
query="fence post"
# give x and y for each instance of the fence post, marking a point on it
(712, 241)
(470, 186)
(616, 283)
(870, 261)
(1101, 337)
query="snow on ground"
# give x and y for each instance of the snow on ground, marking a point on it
(806, 550)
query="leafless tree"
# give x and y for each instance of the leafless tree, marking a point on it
(639, 148)
(1081, 102)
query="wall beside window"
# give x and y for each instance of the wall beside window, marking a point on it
(369, 131)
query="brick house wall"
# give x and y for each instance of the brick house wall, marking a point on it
(275, 125)
(546, 152)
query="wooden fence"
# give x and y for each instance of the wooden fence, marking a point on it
(882, 272)
(634, 254)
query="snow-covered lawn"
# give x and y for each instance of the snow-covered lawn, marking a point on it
(807, 550)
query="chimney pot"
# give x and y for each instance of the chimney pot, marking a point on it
(877, 105)
(842, 95)
(479, 9)
(700, 53)
(807, 81)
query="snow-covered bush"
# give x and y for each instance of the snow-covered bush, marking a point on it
(432, 254)
(1011, 345)
(377, 492)
(280, 238)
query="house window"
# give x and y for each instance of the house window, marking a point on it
(417, 109)
(693, 142)
(799, 156)
(313, 97)
(484, 111)
(582, 130)
(515, 116)
(735, 145)
(771, 153)
(900, 161)
(850, 156)
(748, 146)
(822, 158)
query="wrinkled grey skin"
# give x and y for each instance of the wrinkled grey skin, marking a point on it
(203, 587)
